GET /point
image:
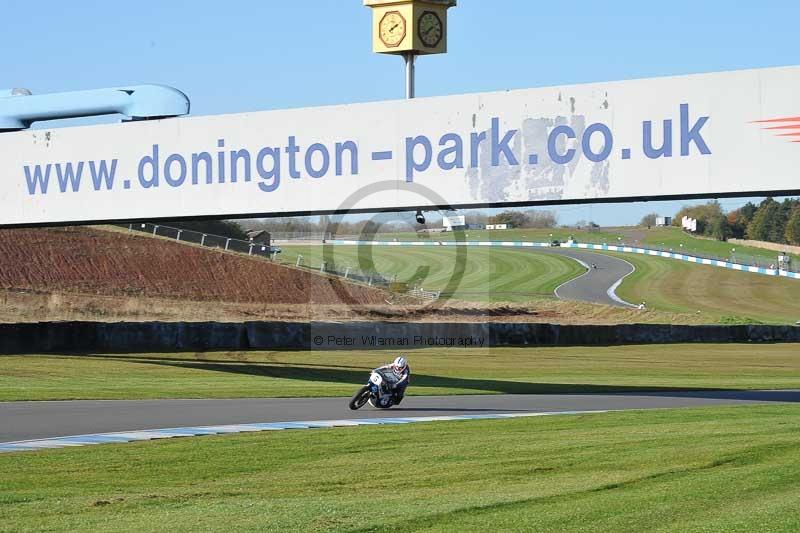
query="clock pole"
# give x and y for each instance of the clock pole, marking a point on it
(410, 59)
(409, 28)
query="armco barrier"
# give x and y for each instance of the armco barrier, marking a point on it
(128, 337)
(601, 247)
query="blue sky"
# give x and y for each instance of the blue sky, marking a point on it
(250, 55)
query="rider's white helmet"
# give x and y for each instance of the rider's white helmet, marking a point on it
(400, 364)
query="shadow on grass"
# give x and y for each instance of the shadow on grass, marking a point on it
(348, 375)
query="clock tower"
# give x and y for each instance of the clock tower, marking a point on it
(409, 27)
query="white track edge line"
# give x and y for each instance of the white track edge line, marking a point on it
(349, 423)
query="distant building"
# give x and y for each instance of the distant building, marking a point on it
(496, 226)
(663, 221)
(454, 223)
(260, 237)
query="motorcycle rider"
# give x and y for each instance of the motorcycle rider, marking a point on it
(399, 367)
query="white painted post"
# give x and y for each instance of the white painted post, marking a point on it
(155, 230)
(346, 272)
(226, 244)
(250, 252)
(203, 240)
(299, 260)
(322, 267)
(179, 235)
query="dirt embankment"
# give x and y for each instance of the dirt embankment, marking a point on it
(96, 262)
(92, 274)
(33, 306)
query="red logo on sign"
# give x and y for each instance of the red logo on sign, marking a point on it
(788, 127)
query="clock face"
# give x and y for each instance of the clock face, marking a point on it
(431, 29)
(392, 29)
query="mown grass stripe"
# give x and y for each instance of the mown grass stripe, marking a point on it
(119, 438)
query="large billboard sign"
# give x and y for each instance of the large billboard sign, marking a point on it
(723, 134)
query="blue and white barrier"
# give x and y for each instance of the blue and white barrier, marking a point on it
(601, 247)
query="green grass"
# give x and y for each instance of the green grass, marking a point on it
(721, 295)
(661, 237)
(720, 469)
(528, 234)
(435, 371)
(674, 237)
(489, 275)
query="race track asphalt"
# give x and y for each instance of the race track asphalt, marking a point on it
(37, 420)
(596, 285)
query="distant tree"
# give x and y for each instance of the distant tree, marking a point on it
(541, 219)
(387, 223)
(702, 213)
(766, 219)
(793, 227)
(748, 211)
(514, 219)
(283, 224)
(737, 224)
(718, 227)
(649, 220)
(766, 222)
(324, 222)
(787, 209)
(777, 228)
(476, 217)
(223, 228)
(369, 229)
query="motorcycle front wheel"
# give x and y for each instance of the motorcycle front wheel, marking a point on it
(359, 398)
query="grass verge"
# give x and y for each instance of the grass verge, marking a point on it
(716, 294)
(720, 469)
(507, 275)
(656, 237)
(490, 275)
(435, 371)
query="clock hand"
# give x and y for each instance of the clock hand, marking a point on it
(393, 27)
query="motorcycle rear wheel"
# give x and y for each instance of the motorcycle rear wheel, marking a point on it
(360, 398)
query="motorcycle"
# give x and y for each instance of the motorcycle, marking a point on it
(378, 392)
